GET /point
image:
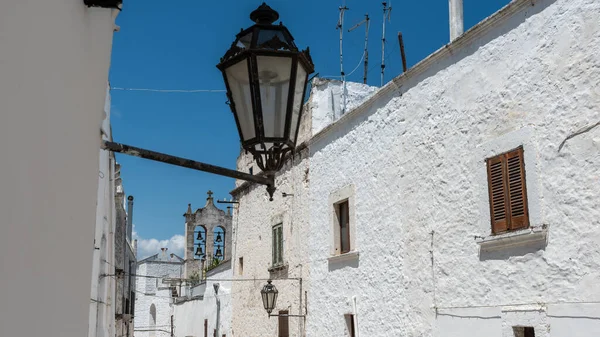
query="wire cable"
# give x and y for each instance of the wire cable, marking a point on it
(169, 90)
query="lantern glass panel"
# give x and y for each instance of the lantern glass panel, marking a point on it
(244, 41)
(298, 92)
(274, 77)
(272, 39)
(237, 78)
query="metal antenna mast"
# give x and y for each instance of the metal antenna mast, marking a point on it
(387, 14)
(366, 21)
(340, 26)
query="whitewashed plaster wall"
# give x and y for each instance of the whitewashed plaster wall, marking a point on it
(103, 288)
(253, 219)
(53, 75)
(154, 291)
(189, 316)
(255, 216)
(415, 153)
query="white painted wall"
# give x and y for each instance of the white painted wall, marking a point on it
(415, 155)
(190, 315)
(151, 290)
(53, 76)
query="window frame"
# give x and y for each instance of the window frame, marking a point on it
(343, 216)
(510, 221)
(341, 196)
(277, 245)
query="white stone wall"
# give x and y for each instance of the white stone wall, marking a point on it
(155, 291)
(415, 156)
(190, 315)
(53, 78)
(253, 219)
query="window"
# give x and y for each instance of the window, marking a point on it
(278, 244)
(507, 191)
(524, 331)
(205, 328)
(350, 325)
(241, 266)
(343, 215)
(284, 324)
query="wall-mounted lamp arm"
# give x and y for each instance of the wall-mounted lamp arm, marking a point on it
(183, 162)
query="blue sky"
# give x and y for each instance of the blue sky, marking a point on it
(176, 45)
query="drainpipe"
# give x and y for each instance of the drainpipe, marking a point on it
(216, 286)
(354, 316)
(456, 19)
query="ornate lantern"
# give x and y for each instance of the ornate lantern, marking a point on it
(265, 75)
(269, 297)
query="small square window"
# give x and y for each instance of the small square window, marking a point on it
(524, 331)
(241, 266)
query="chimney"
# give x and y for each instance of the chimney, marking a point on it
(129, 217)
(456, 19)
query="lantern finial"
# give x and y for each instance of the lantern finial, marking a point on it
(264, 15)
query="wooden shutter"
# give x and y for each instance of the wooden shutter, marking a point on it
(517, 192)
(280, 244)
(284, 326)
(507, 190)
(274, 245)
(497, 190)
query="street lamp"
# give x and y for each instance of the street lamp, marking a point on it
(265, 76)
(269, 296)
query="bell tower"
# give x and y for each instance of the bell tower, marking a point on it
(207, 237)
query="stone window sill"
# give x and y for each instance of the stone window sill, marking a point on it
(528, 236)
(277, 267)
(350, 256)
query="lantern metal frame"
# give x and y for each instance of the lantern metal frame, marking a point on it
(263, 293)
(269, 160)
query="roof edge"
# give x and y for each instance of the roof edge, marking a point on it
(421, 67)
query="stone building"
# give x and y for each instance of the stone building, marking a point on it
(460, 199)
(158, 284)
(125, 260)
(402, 241)
(207, 234)
(205, 306)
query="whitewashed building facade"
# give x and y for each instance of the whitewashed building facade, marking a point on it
(458, 200)
(158, 283)
(424, 257)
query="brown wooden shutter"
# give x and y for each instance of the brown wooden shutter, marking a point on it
(508, 192)
(517, 191)
(284, 326)
(497, 189)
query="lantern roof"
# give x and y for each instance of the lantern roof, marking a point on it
(264, 37)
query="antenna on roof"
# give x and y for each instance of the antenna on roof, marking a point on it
(340, 26)
(366, 21)
(387, 15)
